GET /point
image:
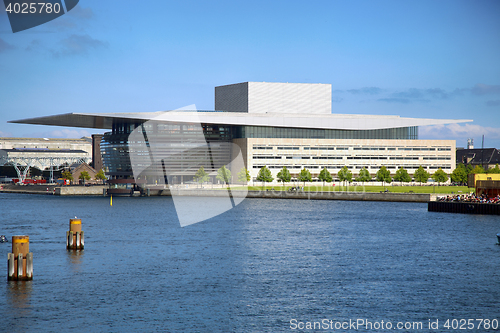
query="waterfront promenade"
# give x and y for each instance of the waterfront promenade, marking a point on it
(54, 189)
(198, 192)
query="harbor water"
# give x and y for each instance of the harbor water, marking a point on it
(265, 266)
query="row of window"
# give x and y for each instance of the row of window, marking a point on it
(366, 157)
(326, 148)
(407, 167)
(438, 158)
(353, 148)
(415, 158)
(259, 157)
(288, 148)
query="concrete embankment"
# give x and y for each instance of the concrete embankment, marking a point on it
(98, 190)
(80, 190)
(464, 208)
(54, 189)
(28, 189)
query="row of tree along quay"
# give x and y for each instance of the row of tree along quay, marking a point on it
(345, 176)
(458, 176)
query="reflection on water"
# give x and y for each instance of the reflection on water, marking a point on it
(75, 259)
(19, 293)
(19, 305)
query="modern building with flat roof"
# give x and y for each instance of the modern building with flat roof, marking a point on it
(273, 125)
(45, 143)
(43, 153)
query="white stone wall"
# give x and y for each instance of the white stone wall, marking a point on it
(272, 97)
(302, 98)
(315, 154)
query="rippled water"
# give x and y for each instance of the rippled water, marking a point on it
(252, 269)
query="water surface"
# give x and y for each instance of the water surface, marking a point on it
(251, 269)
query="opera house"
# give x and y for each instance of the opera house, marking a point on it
(269, 124)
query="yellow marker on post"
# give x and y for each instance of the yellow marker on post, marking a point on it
(74, 237)
(111, 201)
(20, 261)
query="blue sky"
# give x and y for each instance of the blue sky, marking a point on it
(428, 59)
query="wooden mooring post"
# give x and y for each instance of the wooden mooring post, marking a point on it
(74, 237)
(20, 261)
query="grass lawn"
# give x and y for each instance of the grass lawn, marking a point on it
(369, 188)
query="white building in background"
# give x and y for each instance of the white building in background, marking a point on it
(43, 153)
(84, 143)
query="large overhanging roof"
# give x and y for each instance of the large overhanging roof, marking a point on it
(332, 121)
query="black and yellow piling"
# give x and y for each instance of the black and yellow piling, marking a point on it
(74, 237)
(20, 261)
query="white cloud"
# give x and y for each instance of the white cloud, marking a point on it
(64, 133)
(69, 133)
(458, 132)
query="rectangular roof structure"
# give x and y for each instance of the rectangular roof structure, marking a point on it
(293, 120)
(267, 104)
(275, 97)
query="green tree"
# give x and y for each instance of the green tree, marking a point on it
(67, 175)
(100, 175)
(363, 176)
(469, 168)
(201, 176)
(496, 169)
(402, 176)
(421, 175)
(84, 175)
(459, 175)
(478, 169)
(383, 175)
(304, 176)
(345, 175)
(224, 175)
(461, 165)
(264, 176)
(244, 175)
(440, 176)
(284, 175)
(325, 176)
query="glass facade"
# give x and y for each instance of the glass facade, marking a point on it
(182, 145)
(401, 133)
(115, 157)
(175, 138)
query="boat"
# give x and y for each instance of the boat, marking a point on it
(3, 239)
